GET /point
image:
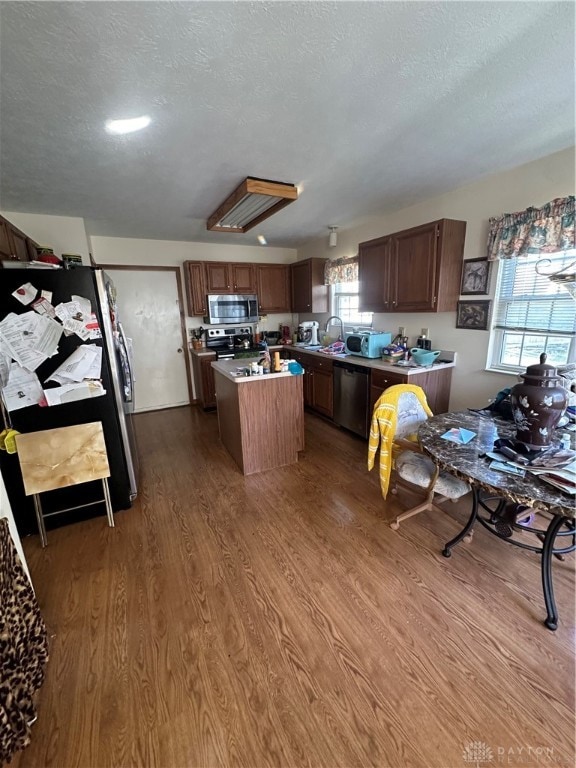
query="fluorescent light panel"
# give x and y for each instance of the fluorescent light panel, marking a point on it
(251, 202)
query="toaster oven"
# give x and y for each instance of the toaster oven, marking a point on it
(367, 343)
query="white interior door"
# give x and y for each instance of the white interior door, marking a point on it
(149, 311)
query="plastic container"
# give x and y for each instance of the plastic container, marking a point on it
(423, 356)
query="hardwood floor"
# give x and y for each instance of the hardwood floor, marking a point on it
(277, 620)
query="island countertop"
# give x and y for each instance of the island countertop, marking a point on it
(233, 370)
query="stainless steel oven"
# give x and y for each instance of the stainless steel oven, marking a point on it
(229, 342)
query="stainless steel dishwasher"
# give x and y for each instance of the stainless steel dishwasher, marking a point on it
(351, 397)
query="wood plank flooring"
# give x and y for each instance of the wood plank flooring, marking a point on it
(277, 620)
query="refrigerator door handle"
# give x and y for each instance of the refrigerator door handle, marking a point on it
(124, 342)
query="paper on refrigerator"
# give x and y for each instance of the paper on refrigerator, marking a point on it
(26, 293)
(75, 316)
(68, 393)
(23, 389)
(30, 338)
(86, 359)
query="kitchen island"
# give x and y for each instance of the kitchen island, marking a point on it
(261, 418)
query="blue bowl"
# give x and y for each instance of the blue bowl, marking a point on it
(423, 356)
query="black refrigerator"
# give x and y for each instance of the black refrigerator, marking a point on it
(114, 409)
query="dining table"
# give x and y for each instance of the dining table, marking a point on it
(545, 519)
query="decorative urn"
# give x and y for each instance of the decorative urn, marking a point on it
(537, 405)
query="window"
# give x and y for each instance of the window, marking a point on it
(345, 301)
(532, 315)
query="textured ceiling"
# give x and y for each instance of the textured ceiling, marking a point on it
(369, 106)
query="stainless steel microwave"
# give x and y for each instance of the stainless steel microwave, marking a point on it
(232, 308)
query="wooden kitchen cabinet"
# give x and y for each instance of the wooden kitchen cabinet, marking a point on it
(373, 274)
(204, 385)
(14, 244)
(273, 287)
(227, 278)
(416, 270)
(435, 383)
(309, 294)
(195, 279)
(318, 382)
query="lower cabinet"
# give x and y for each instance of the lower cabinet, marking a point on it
(204, 379)
(318, 382)
(436, 386)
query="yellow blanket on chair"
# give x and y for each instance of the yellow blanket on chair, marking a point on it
(383, 428)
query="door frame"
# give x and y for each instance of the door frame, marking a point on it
(176, 270)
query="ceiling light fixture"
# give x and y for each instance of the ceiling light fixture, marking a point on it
(128, 125)
(250, 203)
(262, 240)
(333, 237)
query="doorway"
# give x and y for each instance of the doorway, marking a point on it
(152, 313)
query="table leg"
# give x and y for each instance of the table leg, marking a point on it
(467, 528)
(556, 523)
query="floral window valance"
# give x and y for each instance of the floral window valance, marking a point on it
(548, 229)
(341, 271)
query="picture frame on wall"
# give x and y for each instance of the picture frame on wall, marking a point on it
(475, 277)
(473, 315)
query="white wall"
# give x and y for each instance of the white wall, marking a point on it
(65, 234)
(532, 184)
(172, 253)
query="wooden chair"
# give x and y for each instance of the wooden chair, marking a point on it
(58, 458)
(413, 470)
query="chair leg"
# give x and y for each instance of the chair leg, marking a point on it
(40, 519)
(425, 505)
(109, 511)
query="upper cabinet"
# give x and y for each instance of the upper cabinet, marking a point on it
(309, 294)
(416, 270)
(273, 287)
(236, 277)
(374, 273)
(14, 244)
(195, 279)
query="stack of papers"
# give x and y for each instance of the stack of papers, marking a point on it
(556, 466)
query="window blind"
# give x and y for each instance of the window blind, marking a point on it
(527, 301)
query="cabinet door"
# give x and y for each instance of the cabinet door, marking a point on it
(380, 381)
(195, 278)
(273, 287)
(301, 287)
(242, 278)
(5, 241)
(218, 277)
(373, 274)
(309, 294)
(204, 379)
(19, 244)
(413, 273)
(208, 383)
(322, 391)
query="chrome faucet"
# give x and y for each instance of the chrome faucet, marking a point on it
(335, 317)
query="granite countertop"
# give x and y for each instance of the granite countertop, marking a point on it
(230, 369)
(469, 462)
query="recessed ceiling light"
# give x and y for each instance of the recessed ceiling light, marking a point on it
(128, 125)
(262, 240)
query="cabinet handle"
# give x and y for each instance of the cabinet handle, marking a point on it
(393, 303)
(434, 300)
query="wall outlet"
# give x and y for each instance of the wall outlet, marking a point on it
(401, 330)
(426, 332)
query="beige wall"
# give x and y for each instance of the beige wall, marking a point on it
(66, 234)
(127, 251)
(532, 184)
